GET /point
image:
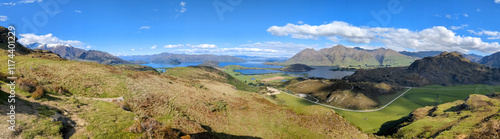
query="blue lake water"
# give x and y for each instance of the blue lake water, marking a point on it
(244, 64)
(257, 71)
(171, 66)
(252, 65)
(322, 72)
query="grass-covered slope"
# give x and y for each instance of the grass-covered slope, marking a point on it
(476, 117)
(155, 105)
(209, 73)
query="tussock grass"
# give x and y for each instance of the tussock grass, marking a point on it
(177, 101)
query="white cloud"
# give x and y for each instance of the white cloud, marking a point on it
(8, 4)
(132, 49)
(300, 22)
(336, 28)
(435, 38)
(283, 49)
(458, 27)
(466, 15)
(48, 39)
(3, 18)
(183, 7)
(447, 16)
(173, 46)
(494, 35)
(202, 46)
(145, 27)
(266, 49)
(205, 46)
(154, 47)
(30, 1)
(232, 51)
(497, 1)
(78, 11)
(278, 45)
(478, 10)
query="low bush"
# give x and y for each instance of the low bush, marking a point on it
(39, 92)
(27, 84)
(218, 106)
(152, 129)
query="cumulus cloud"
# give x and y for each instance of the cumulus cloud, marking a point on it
(493, 35)
(3, 18)
(458, 27)
(435, 38)
(497, 1)
(154, 47)
(48, 39)
(78, 11)
(279, 48)
(278, 45)
(202, 46)
(145, 27)
(336, 28)
(300, 22)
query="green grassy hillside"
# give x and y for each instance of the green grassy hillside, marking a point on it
(476, 117)
(155, 105)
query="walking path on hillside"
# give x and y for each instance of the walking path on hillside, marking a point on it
(337, 108)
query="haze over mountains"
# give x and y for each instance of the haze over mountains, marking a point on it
(165, 58)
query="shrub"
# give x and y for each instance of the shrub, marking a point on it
(38, 93)
(59, 90)
(152, 128)
(27, 84)
(219, 106)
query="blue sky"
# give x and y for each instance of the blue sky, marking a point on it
(256, 27)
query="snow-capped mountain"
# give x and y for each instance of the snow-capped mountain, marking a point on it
(73, 53)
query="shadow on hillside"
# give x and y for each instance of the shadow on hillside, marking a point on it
(211, 134)
(391, 127)
(23, 106)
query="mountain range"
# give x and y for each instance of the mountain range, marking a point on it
(444, 69)
(350, 57)
(422, 54)
(72, 53)
(492, 60)
(167, 58)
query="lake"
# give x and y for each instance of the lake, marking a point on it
(244, 64)
(319, 71)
